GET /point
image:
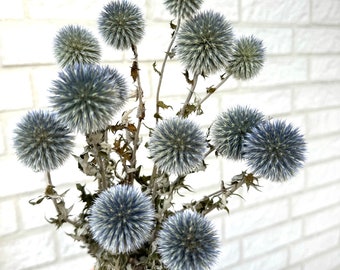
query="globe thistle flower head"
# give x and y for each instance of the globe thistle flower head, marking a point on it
(121, 219)
(274, 150)
(75, 44)
(187, 240)
(177, 146)
(86, 97)
(121, 24)
(183, 8)
(204, 42)
(41, 142)
(247, 58)
(230, 128)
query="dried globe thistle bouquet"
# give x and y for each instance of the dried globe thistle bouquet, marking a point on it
(130, 220)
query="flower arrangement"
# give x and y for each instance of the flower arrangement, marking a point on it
(129, 221)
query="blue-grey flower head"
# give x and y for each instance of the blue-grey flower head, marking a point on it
(41, 142)
(204, 43)
(274, 150)
(121, 24)
(177, 146)
(230, 128)
(75, 44)
(121, 219)
(188, 240)
(247, 58)
(183, 8)
(87, 97)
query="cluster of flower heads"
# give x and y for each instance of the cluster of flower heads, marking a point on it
(86, 97)
(272, 148)
(177, 146)
(41, 141)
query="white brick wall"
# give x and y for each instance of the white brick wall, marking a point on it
(291, 226)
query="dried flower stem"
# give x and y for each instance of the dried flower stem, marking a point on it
(189, 96)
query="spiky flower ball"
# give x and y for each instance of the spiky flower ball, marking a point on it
(121, 219)
(247, 58)
(86, 97)
(204, 42)
(230, 128)
(183, 8)
(188, 240)
(121, 24)
(41, 142)
(274, 150)
(75, 44)
(177, 146)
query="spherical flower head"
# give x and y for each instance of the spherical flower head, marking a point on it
(87, 97)
(230, 128)
(274, 150)
(247, 58)
(75, 44)
(204, 43)
(121, 219)
(41, 142)
(187, 240)
(121, 24)
(177, 146)
(183, 8)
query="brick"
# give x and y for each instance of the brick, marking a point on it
(276, 40)
(316, 96)
(269, 261)
(27, 251)
(325, 68)
(271, 238)
(8, 217)
(322, 221)
(256, 218)
(322, 173)
(317, 40)
(11, 10)
(313, 246)
(323, 149)
(2, 141)
(227, 7)
(326, 12)
(280, 70)
(16, 92)
(282, 11)
(315, 200)
(67, 246)
(230, 254)
(85, 262)
(276, 101)
(323, 122)
(328, 261)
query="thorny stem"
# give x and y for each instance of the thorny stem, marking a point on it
(189, 96)
(102, 183)
(167, 55)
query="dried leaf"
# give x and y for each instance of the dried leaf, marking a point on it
(162, 105)
(134, 71)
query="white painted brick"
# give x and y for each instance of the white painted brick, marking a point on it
(315, 200)
(317, 40)
(16, 92)
(316, 96)
(82, 262)
(275, 260)
(2, 141)
(281, 11)
(229, 8)
(8, 217)
(67, 246)
(11, 10)
(313, 246)
(243, 222)
(323, 173)
(323, 122)
(275, 40)
(275, 101)
(271, 238)
(280, 70)
(323, 148)
(322, 221)
(230, 254)
(27, 251)
(328, 261)
(326, 12)
(325, 68)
